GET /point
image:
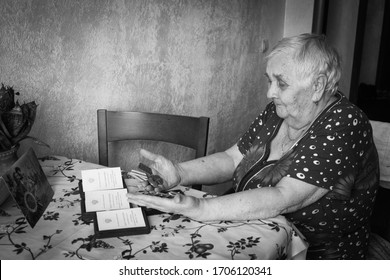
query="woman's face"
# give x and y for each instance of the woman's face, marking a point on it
(291, 94)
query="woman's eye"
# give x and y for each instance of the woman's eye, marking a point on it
(281, 84)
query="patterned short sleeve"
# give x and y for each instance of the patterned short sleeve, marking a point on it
(331, 154)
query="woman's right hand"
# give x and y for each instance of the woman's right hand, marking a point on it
(163, 167)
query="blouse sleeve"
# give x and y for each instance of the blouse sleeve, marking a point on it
(330, 156)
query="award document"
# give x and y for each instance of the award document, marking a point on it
(120, 219)
(104, 202)
(102, 179)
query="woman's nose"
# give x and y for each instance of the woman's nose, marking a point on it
(272, 92)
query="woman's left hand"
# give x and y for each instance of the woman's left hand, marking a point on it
(179, 204)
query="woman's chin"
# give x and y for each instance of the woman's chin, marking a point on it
(281, 112)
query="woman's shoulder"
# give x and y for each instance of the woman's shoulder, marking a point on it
(345, 106)
(344, 113)
(268, 113)
(262, 125)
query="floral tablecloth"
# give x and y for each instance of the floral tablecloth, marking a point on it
(62, 234)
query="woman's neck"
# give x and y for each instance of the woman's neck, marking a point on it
(296, 129)
(293, 133)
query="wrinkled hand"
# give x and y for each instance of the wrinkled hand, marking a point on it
(179, 204)
(163, 167)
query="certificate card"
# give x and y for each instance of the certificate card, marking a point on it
(102, 179)
(121, 219)
(106, 200)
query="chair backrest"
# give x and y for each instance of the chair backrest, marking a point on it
(190, 132)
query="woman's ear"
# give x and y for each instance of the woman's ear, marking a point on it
(319, 86)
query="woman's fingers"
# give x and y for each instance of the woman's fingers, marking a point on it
(156, 159)
(162, 167)
(180, 204)
(151, 201)
(148, 155)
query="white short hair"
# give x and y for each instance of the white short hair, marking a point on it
(313, 56)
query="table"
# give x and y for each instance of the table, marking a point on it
(62, 234)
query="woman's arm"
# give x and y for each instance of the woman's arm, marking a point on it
(287, 196)
(212, 169)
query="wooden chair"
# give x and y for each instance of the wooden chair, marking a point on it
(190, 132)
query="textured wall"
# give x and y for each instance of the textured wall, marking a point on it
(181, 57)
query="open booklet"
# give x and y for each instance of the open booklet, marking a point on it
(103, 200)
(28, 186)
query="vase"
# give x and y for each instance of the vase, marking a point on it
(7, 158)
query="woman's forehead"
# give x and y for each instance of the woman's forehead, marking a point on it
(280, 64)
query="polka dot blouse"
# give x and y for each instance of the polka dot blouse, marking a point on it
(336, 153)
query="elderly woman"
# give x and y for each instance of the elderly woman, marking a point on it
(309, 156)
